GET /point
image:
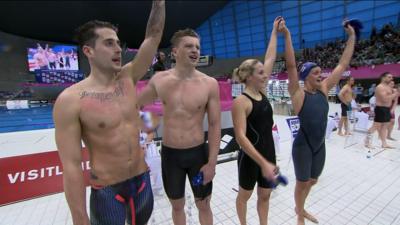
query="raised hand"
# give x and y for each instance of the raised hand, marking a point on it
(277, 21)
(282, 26)
(350, 30)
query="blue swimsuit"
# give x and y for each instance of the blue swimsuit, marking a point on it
(309, 145)
(130, 200)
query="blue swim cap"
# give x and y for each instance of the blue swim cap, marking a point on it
(305, 69)
(357, 26)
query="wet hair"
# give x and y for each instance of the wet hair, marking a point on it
(86, 33)
(183, 33)
(245, 70)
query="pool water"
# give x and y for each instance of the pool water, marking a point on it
(36, 117)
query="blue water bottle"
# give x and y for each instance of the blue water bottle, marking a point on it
(198, 179)
(279, 180)
(282, 180)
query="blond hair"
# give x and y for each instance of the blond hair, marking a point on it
(183, 33)
(245, 70)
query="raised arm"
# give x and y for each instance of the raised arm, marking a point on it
(239, 125)
(296, 93)
(68, 140)
(155, 26)
(293, 85)
(344, 61)
(270, 54)
(214, 130)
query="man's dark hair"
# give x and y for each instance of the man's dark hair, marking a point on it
(158, 55)
(183, 33)
(383, 75)
(86, 34)
(348, 79)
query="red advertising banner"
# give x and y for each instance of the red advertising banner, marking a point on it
(34, 175)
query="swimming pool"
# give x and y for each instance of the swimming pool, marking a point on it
(34, 118)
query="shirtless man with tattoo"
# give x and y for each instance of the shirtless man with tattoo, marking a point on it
(102, 111)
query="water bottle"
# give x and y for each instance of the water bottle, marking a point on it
(282, 180)
(198, 179)
(279, 180)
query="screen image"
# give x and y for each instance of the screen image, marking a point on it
(53, 57)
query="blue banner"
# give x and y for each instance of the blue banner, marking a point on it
(58, 76)
(294, 125)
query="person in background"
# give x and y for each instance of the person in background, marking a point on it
(384, 99)
(392, 112)
(359, 92)
(365, 95)
(160, 64)
(371, 90)
(150, 122)
(345, 96)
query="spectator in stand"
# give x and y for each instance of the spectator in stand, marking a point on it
(373, 35)
(160, 64)
(380, 48)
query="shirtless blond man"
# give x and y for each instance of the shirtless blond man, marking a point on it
(345, 96)
(384, 97)
(187, 95)
(102, 111)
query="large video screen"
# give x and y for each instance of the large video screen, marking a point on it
(53, 57)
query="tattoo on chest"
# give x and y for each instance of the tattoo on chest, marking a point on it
(104, 96)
